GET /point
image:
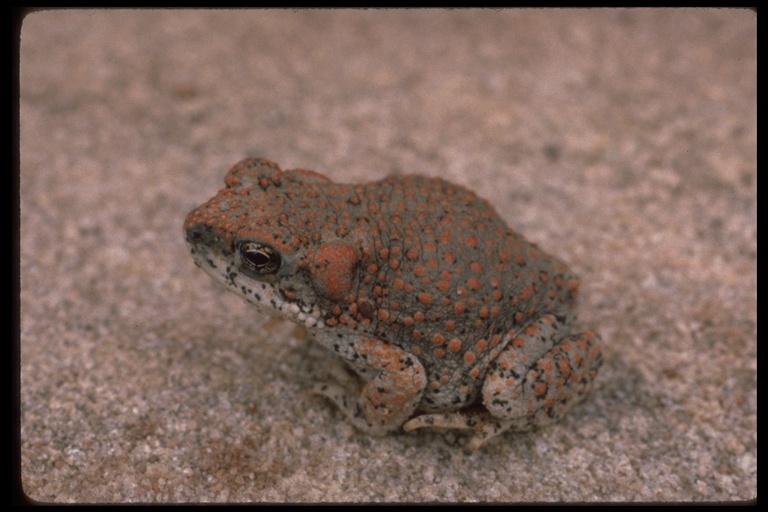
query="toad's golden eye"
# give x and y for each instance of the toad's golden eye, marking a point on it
(259, 259)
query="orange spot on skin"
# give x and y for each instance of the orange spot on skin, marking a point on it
(531, 330)
(454, 345)
(333, 270)
(424, 298)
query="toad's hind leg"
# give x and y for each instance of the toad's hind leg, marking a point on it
(533, 382)
(545, 392)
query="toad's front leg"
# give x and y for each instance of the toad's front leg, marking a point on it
(390, 397)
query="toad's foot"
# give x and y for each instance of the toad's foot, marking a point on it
(483, 424)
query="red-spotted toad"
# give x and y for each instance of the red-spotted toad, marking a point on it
(416, 283)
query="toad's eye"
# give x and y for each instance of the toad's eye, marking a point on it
(258, 259)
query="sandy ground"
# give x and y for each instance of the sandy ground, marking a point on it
(623, 141)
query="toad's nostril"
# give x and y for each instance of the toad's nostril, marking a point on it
(200, 234)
